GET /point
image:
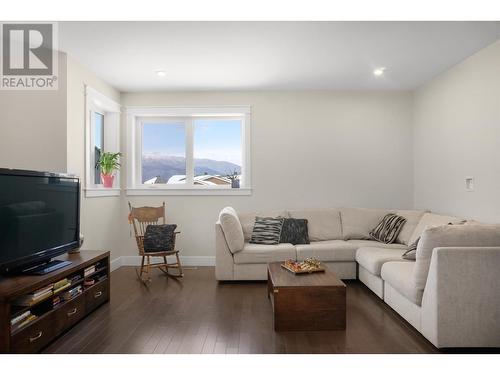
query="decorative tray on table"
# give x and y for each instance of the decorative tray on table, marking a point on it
(309, 265)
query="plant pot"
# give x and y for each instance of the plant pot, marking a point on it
(107, 180)
(235, 184)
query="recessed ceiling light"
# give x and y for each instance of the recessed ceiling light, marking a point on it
(379, 72)
(161, 73)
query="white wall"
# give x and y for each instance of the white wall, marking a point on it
(457, 134)
(309, 149)
(101, 217)
(33, 127)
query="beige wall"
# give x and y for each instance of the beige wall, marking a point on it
(100, 217)
(33, 127)
(457, 134)
(309, 149)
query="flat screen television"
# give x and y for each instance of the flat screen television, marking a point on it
(39, 218)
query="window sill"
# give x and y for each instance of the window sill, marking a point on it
(102, 192)
(188, 191)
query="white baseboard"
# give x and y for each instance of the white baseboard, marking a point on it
(135, 260)
(115, 264)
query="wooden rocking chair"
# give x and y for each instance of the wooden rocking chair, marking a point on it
(140, 218)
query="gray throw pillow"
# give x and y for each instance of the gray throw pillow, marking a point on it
(294, 231)
(159, 237)
(411, 253)
(388, 229)
(267, 230)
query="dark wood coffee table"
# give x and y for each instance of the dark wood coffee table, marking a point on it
(306, 302)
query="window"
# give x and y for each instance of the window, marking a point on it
(98, 144)
(188, 151)
(163, 153)
(217, 151)
(101, 135)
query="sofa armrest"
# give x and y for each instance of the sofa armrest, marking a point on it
(461, 300)
(224, 262)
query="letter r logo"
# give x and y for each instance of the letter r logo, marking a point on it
(27, 49)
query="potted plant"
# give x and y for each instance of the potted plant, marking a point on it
(235, 180)
(108, 163)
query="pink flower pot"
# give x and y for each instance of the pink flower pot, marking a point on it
(107, 180)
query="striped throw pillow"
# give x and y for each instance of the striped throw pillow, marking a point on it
(267, 230)
(411, 253)
(388, 229)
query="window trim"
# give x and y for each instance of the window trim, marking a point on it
(98, 102)
(137, 115)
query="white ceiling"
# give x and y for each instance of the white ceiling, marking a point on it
(272, 55)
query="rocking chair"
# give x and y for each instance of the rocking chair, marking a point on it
(140, 218)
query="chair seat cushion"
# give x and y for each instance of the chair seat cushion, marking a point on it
(327, 251)
(257, 253)
(372, 258)
(400, 276)
(372, 243)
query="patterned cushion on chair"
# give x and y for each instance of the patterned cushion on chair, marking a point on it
(159, 238)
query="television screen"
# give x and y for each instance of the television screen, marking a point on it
(39, 217)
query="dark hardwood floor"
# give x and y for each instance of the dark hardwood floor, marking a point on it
(199, 315)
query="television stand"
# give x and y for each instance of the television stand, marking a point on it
(45, 268)
(28, 323)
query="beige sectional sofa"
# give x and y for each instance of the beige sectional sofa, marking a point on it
(451, 293)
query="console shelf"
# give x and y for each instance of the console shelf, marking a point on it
(51, 321)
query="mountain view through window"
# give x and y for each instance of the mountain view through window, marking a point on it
(217, 153)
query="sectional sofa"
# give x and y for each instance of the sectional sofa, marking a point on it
(450, 294)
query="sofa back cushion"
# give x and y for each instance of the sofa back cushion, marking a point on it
(247, 220)
(322, 224)
(358, 222)
(450, 236)
(428, 220)
(412, 219)
(232, 229)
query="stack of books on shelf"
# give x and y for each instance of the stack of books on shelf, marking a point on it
(21, 320)
(61, 285)
(75, 278)
(72, 293)
(56, 301)
(35, 297)
(89, 270)
(88, 283)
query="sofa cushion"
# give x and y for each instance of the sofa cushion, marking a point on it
(267, 230)
(256, 254)
(450, 236)
(328, 251)
(412, 219)
(322, 224)
(388, 229)
(247, 220)
(372, 258)
(400, 276)
(358, 222)
(372, 243)
(294, 231)
(231, 227)
(428, 220)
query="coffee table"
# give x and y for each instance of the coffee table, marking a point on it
(306, 302)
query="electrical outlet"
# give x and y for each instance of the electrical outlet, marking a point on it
(469, 183)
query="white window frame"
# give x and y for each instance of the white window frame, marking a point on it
(137, 115)
(97, 102)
